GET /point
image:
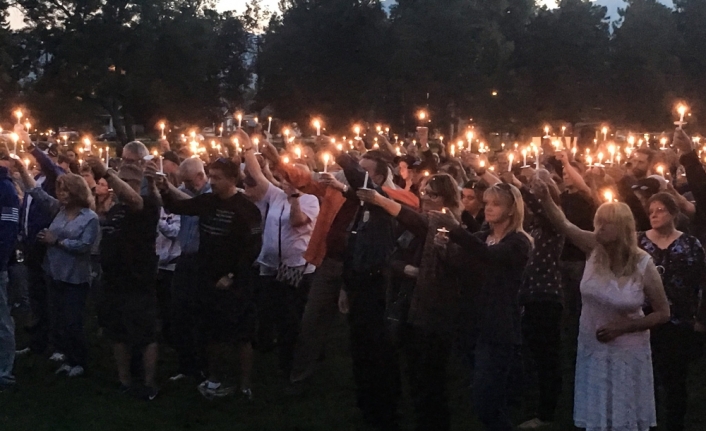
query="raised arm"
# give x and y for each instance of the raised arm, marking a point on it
(410, 219)
(573, 173)
(582, 239)
(251, 163)
(121, 189)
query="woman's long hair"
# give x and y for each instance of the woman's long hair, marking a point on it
(625, 247)
(79, 193)
(512, 195)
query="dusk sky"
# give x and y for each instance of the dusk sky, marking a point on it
(238, 5)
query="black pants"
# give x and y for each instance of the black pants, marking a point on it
(375, 363)
(288, 305)
(164, 301)
(38, 301)
(541, 327)
(68, 304)
(185, 336)
(673, 349)
(427, 360)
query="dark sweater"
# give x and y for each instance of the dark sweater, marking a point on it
(503, 263)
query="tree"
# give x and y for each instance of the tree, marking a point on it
(647, 74)
(325, 57)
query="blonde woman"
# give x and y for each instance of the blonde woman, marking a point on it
(503, 252)
(614, 381)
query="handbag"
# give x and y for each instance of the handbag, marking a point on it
(289, 275)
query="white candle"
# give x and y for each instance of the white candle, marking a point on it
(365, 181)
(240, 120)
(107, 157)
(161, 126)
(15, 138)
(326, 158)
(161, 164)
(524, 157)
(269, 124)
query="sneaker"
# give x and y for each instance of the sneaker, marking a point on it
(211, 390)
(64, 368)
(177, 377)
(533, 424)
(57, 357)
(124, 389)
(76, 371)
(23, 352)
(246, 393)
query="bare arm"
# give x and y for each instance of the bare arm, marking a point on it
(252, 165)
(27, 181)
(296, 216)
(654, 291)
(582, 239)
(573, 173)
(124, 192)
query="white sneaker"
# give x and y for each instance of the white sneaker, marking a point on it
(533, 424)
(57, 357)
(177, 377)
(76, 371)
(214, 390)
(64, 368)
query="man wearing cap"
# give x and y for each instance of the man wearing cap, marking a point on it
(128, 312)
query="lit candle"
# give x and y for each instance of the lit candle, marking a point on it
(524, 157)
(563, 131)
(357, 131)
(26, 163)
(365, 181)
(422, 115)
(162, 126)
(269, 124)
(87, 145)
(220, 131)
(605, 134)
(510, 159)
(611, 150)
(107, 157)
(469, 138)
(600, 159)
(286, 136)
(573, 152)
(317, 124)
(453, 150)
(285, 159)
(18, 114)
(298, 152)
(682, 111)
(589, 160)
(15, 138)
(256, 144)
(240, 120)
(339, 147)
(663, 141)
(608, 195)
(660, 170)
(327, 156)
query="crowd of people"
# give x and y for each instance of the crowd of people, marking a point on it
(428, 255)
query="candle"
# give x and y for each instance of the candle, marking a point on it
(605, 134)
(357, 132)
(611, 150)
(87, 145)
(256, 144)
(240, 120)
(15, 138)
(298, 152)
(327, 156)
(422, 115)
(453, 150)
(660, 170)
(26, 163)
(589, 160)
(663, 141)
(563, 130)
(286, 136)
(162, 126)
(682, 110)
(608, 195)
(600, 159)
(220, 131)
(18, 114)
(285, 159)
(339, 147)
(546, 131)
(469, 138)
(524, 157)
(510, 159)
(365, 183)
(317, 124)
(269, 124)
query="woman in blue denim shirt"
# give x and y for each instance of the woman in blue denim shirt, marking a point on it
(67, 264)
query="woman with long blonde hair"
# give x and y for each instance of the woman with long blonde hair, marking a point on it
(503, 252)
(614, 381)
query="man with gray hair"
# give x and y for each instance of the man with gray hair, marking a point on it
(134, 153)
(185, 281)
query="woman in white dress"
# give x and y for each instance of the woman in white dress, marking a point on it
(614, 381)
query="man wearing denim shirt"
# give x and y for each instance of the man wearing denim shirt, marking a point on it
(185, 281)
(9, 227)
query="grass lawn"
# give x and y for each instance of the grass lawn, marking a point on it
(44, 401)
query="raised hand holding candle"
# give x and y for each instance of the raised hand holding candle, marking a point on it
(327, 156)
(162, 126)
(18, 114)
(681, 109)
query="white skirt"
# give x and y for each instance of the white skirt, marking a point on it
(614, 388)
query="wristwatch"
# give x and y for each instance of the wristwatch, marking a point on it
(295, 195)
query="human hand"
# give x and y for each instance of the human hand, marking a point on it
(328, 179)
(224, 283)
(411, 271)
(269, 151)
(562, 156)
(46, 236)
(97, 166)
(610, 331)
(368, 195)
(443, 218)
(682, 141)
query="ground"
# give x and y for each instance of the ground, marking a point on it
(44, 401)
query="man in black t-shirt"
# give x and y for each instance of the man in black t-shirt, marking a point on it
(230, 240)
(128, 311)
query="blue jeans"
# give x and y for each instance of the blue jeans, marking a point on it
(7, 335)
(490, 384)
(68, 302)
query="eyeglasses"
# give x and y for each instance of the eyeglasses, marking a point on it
(429, 193)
